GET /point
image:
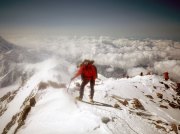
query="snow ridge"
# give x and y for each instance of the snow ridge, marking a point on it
(129, 106)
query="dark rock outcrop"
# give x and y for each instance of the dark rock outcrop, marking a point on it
(162, 106)
(159, 95)
(137, 104)
(105, 120)
(149, 96)
(174, 105)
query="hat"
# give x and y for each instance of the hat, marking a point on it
(86, 61)
(91, 61)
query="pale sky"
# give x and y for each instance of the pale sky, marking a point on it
(121, 18)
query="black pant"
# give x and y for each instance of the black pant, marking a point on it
(83, 84)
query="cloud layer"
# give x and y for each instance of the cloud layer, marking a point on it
(131, 56)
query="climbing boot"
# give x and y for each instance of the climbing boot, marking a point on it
(79, 98)
(91, 100)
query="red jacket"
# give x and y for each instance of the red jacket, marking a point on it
(88, 72)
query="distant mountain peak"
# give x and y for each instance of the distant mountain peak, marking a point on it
(5, 45)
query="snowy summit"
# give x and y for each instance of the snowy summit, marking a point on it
(37, 98)
(142, 104)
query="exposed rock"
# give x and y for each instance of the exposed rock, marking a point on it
(149, 96)
(22, 117)
(178, 89)
(26, 108)
(159, 95)
(5, 96)
(2, 110)
(10, 124)
(125, 102)
(166, 100)
(137, 104)
(161, 82)
(116, 105)
(154, 87)
(153, 101)
(178, 101)
(160, 127)
(24, 113)
(11, 97)
(8, 97)
(178, 127)
(162, 106)
(159, 121)
(27, 100)
(174, 128)
(174, 105)
(32, 102)
(42, 85)
(143, 114)
(166, 86)
(105, 120)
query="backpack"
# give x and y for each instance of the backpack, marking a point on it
(88, 71)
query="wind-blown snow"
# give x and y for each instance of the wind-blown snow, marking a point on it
(56, 110)
(155, 56)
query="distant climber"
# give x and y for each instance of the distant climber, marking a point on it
(88, 73)
(141, 74)
(166, 76)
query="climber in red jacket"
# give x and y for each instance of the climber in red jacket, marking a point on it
(88, 73)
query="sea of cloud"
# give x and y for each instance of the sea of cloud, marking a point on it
(127, 56)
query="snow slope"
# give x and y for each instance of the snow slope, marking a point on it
(43, 105)
(34, 96)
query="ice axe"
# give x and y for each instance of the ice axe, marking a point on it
(69, 86)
